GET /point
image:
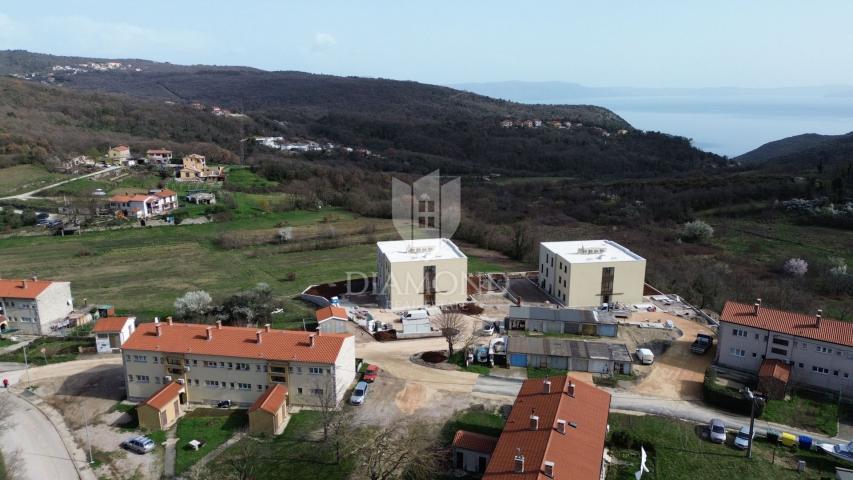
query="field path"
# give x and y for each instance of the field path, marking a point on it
(28, 195)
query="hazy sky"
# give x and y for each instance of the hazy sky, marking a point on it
(758, 43)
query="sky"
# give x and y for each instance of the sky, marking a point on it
(649, 43)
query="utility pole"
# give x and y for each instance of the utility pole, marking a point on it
(27, 366)
(752, 398)
(88, 439)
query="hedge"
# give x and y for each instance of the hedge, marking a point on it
(726, 398)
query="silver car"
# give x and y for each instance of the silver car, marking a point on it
(140, 444)
(358, 394)
(742, 438)
(717, 430)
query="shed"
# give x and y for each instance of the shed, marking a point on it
(565, 354)
(111, 332)
(472, 451)
(773, 377)
(161, 410)
(562, 320)
(332, 319)
(268, 415)
(416, 325)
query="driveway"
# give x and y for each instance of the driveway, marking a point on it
(28, 195)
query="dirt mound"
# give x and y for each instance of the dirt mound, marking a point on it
(434, 357)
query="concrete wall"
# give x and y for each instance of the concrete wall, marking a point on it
(333, 325)
(402, 283)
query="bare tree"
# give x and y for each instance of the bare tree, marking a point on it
(405, 449)
(193, 305)
(242, 460)
(452, 325)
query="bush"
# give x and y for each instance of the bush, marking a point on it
(697, 231)
(796, 267)
(726, 398)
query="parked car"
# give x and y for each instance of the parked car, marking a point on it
(645, 356)
(224, 404)
(357, 397)
(140, 445)
(742, 438)
(370, 373)
(702, 344)
(717, 431)
(488, 329)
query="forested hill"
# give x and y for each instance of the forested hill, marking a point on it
(415, 127)
(808, 152)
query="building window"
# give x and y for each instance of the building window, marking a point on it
(140, 359)
(779, 351)
(315, 370)
(822, 349)
(737, 352)
(244, 386)
(739, 332)
(156, 359)
(299, 390)
(156, 379)
(317, 391)
(211, 383)
(800, 365)
(209, 364)
(781, 341)
(821, 370)
(130, 378)
(260, 388)
(142, 379)
(242, 366)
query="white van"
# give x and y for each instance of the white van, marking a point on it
(414, 315)
(645, 356)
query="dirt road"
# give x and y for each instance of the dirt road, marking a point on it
(28, 195)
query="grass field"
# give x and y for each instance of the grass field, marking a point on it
(55, 351)
(478, 421)
(26, 178)
(213, 426)
(676, 451)
(802, 411)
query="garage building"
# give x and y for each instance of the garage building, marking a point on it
(573, 355)
(562, 320)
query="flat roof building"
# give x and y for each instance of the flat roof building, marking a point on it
(591, 272)
(423, 272)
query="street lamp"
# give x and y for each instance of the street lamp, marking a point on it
(752, 399)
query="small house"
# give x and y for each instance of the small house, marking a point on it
(119, 154)
(159, 156)
(472, 451)
(163, 409)
(773, 377)
(332, 319)
(268, 415)
(111, 332)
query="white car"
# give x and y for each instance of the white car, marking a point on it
(717, 430)
(488, 329)
(742, 438)
(359, 393)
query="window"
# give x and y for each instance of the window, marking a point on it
(142, 379)
(257, 368)
(209, 364)
(800, 365)
(317, 391)
(196, 382)
(315, 370)
(244, 386)
(822, 349)
(737, 352)
(130, 378)
(754, 354)
(211, 383)
(230, 365)
(221, 364)
(756, 336)
(739, 332)
(140, 359)
(820, 370)
(779, 351)
(156, 379)
(260, 388)
(781, 341)
(156, 359)
(242, 366)
(299, 390)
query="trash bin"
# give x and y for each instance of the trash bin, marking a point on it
(805, 442)
(788, 439)
(772, 436)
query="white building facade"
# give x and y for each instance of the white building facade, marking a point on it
(32, 305)
(417, 273)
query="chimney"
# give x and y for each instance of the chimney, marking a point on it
(159, 329)
(210, 333)
(546, 386)
(757, 306)
(818, 317)
(35, 278)
(219, 324)
(267, 327)
(570, 388)
(561, 426)
(534, 422)
(156, 319)
(169, 319)
(519, 462)
(24, 284)
(518, 300)
(549, 469)
(258, 335)
(311, 340)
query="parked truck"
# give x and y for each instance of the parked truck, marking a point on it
(702, 344)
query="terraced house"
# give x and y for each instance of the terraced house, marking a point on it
(214, 363)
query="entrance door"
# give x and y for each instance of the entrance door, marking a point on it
(429, 285)
(481, 465)
(459, 460)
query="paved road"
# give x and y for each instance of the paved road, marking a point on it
(28, 195)
(42, 453)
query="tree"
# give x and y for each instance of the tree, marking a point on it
(404, 449)
(697, 231)
(193, 305)
(796, 267)
(451, 325)
(249, 307)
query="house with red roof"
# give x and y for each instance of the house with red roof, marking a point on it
(159, 156)
(216, 362)
(796, 348)
(32, 306)
(332, 319)
(268, 415)
(556, 430)
(140, 205)
(119, 154)
(111, 332)
(163, 408)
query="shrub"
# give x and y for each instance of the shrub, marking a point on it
(796, 267)
(726, 398)
(697, 231)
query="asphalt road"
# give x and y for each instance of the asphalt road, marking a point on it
(42, 453)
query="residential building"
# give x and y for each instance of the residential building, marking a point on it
(556, 430)
(566, 354)
(163, 409)
(159, 156)
(195, 169)
(202, 198)
(32, 306)
(332, 319)
(591, 272)
(268, 415)
(140, 205)
(472, 451)
(216, 363)
(561, 320)
(424, 272)
(119, 154)
(819, 351)
(773, 378)
(111, 332)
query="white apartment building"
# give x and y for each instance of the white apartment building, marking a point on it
(417, 273)
(591, 272)
(214, 362)
(32, 305)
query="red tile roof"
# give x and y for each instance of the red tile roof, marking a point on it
(131, 198)
(165, 193)
(476, 442)
(158, 151)
(109, 324)
(331, 311)
(239, 342)
(29, 289)
(790, 323)
(165, 396)
(271, 400)
(577, 454)
(776, 369)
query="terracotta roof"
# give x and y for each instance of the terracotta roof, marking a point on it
(239, 342)
(776, 369)
(577, 454)
(476, 442)
(165, 396)
(158, 151)
(23, 288)
(131, 198)
(120, 148)
(165, 193)
(331, 311)
(110, 324)
(271, 400)
(790, 323)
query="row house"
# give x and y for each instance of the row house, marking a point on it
(31, 306)
(814, 351)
